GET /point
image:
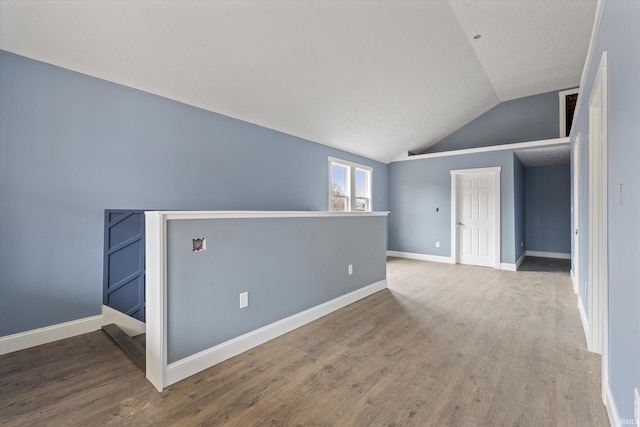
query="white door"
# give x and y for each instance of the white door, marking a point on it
(476, 219)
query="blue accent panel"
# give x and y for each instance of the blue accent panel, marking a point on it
(124, 262)
(519, 207)
(532, 118)
(62, 137)
(618, 34)
(286, 265)
(418, 187)
(548, 201)
(125, 228)
(124, 275)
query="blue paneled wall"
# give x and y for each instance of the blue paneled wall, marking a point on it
(72, 145)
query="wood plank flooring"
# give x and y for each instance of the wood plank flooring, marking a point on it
(445, 345)
(130, 346)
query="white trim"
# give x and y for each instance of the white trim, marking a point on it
(454, 211)
(575, 235)
(612, 408)
(188, 366)
(574, 281)
(521, 260)
(34, 337)
(585, 322)
(169, 215)
(155, 295)
(562, 97)
(596, 26)
(598, 262)
(542, 254)
(514, 146)
(508, 266)
(598, 221)
(128, 324)
(476, 170)
(422, 257)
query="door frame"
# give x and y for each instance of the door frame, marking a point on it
(575, 272)
(598, 283)
(455, 177)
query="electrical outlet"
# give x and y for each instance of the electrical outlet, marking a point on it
(350, 269)
(244, 299)
(636, 406)
(437, 244)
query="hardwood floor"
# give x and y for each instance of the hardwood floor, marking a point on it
(445, 345)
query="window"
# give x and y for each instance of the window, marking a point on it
(349, 186)
(568, 102)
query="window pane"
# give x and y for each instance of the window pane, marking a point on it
(339, 204)
(362, 204)
(339, 188)
(362, 190)
(338, 180)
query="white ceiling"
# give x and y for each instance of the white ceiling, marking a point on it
(376, 78)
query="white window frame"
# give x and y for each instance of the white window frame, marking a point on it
(351, 184)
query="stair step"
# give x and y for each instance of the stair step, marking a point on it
(129, 346)
(141, 339)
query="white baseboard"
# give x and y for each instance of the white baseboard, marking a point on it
(422, 257)
(128, 324)
(585, 322)
(558, 255)
(188, 366)
(574, 281)
(34, 337)
(612, 409)
(513, 267)
(508, 266)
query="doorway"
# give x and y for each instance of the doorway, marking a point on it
(475, 216)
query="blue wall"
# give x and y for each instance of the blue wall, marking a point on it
(296, 264)
(548, 207)
(618, 34)
(72, 145)
(531, 118)
(417, 187)
(519, 208)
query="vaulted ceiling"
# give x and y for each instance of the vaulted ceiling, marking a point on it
(377, 78)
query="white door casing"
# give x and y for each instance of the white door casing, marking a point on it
(597, 285)
(576, 215)
(475, 213)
